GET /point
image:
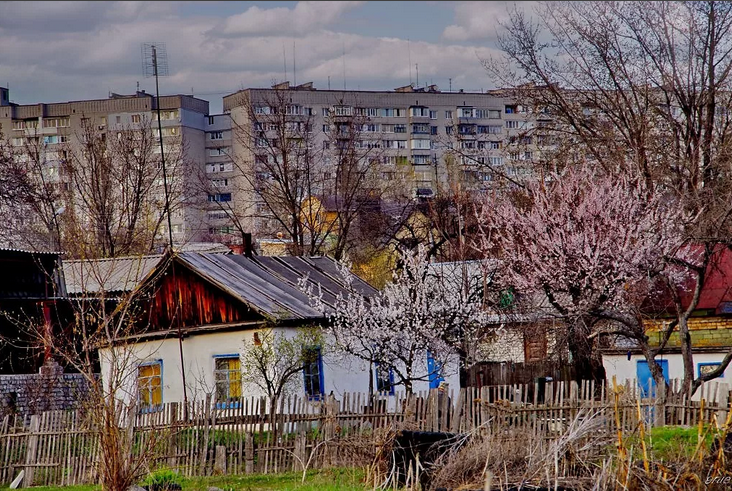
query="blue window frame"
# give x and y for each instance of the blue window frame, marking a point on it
(313, 373)
(227, 377)
(384, 380)
(150, 386)
(434, 370)
(708, 367)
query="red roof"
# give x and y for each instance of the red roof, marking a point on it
(716, 292)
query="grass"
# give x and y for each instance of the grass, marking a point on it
(316, 480)
(673, 443)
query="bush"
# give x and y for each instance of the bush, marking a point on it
(162, 480)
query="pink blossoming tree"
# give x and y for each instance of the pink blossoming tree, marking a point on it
(593, 246)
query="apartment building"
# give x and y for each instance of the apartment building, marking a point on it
(220, 175)
(55, 128)
(436, 139)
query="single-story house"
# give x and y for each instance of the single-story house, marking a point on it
(518, 342)
(710, 328)
(220, 303)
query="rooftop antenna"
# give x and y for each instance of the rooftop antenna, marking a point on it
(416, 66)
(344, 65)
(328, 82)
(294, 71)
(409, 61)
(284, 60)
(155, 64)
(138, 86)
(450, 85)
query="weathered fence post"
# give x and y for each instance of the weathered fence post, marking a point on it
(31, 450)
(249, 453)
(220, 460)
(207, 423)
(172, 439)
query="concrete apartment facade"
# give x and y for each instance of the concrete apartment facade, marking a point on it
(484, 135)
(416, 129)
(59, 126)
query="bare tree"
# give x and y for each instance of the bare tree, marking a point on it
(31, 194)
(115, 183)
(93, 330)
(638, 87)
(313, 184)
(274, 359)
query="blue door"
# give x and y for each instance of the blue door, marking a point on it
(434, 369)
(645, 379)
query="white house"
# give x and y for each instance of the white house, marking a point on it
(710, 329)
(220, 303)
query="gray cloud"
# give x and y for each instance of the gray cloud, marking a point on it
(480, 21)
(306, 17)
(96, 48)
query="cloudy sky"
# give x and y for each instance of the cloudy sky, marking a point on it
(60, 51)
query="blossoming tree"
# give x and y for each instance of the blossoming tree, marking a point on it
(592, 245)
(416, 314)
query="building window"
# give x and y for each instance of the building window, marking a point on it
(512, 124)
(708, 367)
(384, 380)
(217, 135)
(433, 114)
(150, 386)
(218, 152)
(227, 374)
(448, 114)
(448, 130)
(211, 120)
(219, 197)
(136, 118)
(313, 373)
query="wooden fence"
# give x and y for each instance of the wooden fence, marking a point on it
(62, 447)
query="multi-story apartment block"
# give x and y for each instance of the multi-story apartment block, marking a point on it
(55, 128)
(426, 140)
(220, 176)
(434, 139)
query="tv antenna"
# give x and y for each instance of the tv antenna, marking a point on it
(155, 64)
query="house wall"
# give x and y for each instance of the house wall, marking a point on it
(341, 374)
(624, 369)
(704, 331)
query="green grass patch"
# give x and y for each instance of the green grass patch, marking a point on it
(343, 479)
(672, 443)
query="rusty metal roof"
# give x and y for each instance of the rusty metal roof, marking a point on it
(114, 275)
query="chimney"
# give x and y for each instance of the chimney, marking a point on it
(248, 252)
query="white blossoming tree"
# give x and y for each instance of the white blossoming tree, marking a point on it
(415, 314)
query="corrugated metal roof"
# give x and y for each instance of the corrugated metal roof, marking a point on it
(114, 275)
(270, 284)
(267, 284)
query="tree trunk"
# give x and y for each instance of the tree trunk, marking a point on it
(587, 364)
(686, 356)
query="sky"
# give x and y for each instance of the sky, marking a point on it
(65, 51)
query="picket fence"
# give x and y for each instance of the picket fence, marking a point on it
(62, 447)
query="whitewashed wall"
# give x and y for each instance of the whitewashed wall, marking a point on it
(340, 374)
(624, 369)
